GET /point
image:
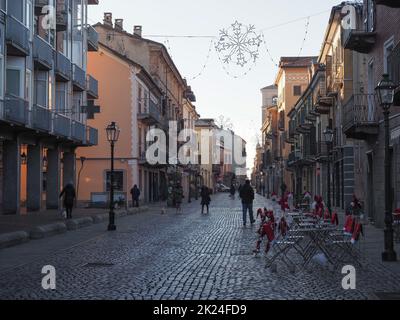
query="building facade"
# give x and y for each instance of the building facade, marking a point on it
(376, 36)
(46, 96)
(153, 96)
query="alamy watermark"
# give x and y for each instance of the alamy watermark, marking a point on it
(188, 146)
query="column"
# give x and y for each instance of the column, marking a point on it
(34, 177)
(11, 176)
(69, 168)
(53, 179)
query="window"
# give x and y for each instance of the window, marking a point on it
(370, 23)
(61, 97)
(387, 50)
(14, 82)
(3, 5)
(41, 88)
(118, 181)
(297, 90)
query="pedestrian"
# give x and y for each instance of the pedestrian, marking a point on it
(239, 188)
(69, 195)
(178, 196)
(290, 201)
(135, 192)
(232, 191)
(205, 198)
(247, 196)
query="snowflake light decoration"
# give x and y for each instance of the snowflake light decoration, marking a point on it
(224, 123)
(239, 44)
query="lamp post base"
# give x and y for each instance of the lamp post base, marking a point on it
(111, 227)
(389, 256)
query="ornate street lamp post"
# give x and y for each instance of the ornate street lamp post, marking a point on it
(328, 133)
(385, 93)
(112, 137)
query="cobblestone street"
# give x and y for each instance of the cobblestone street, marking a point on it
(181, 256)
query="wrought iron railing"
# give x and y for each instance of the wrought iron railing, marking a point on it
(361, 109)
(42, 52)
(41, 118)
(16, 109)
(61, 125)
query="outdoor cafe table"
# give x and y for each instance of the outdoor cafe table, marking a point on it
(315, 237)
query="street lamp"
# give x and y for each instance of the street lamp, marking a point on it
(328, 133)
(112, 137)
(385, 93)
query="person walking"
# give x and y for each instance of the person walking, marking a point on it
(205, 199)
(135, 192)
(178, 196)
(247, 196)
(232, 191)
(69, 195)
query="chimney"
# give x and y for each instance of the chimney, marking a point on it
(107, 19)
(119, 24)
(137, 30)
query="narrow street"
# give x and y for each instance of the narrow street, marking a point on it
(185, 256)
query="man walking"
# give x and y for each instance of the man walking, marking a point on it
(135, 192)
(247, 196)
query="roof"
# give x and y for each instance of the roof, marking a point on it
(272, 86)
(292, 62)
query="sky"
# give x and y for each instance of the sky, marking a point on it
(238, 100)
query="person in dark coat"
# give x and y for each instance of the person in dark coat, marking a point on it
(69, 197)
(232, 191)
(205, 198)
(247, 196)
(135, 192)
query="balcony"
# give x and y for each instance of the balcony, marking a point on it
(394, 72)
(322, 151)
(61, 16)
(41, 118)
(62, 67)
(292, 158)
(78, 131)
(78, 78)
(15, 109)
(92, 39)
(361, 118)
(42, 54)
(267, 159)
(324, 105)
(61, 125)
(92, 136)
(149, 113)
(358, 40)
(92, 88)
(281, 122)
(17, 38)
(389, 3)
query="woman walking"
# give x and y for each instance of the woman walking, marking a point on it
(205, 199)
(69, 197)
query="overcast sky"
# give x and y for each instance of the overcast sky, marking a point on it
(218, 93)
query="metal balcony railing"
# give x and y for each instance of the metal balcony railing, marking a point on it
(78, 131)
(17, 37)
(92, 87)
(16, 109)
(148, 110)
(41, 118)
(360, 110)
(62, 67)
(92, 39)
(42, 53)
(78, 78)
(61, 125)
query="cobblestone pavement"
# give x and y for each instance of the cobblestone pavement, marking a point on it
(183, 256)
